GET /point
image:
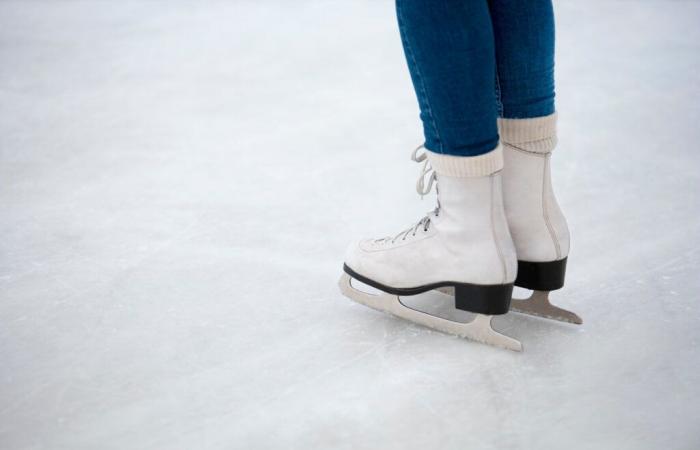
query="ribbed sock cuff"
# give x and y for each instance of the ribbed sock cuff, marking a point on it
(536, 135)
(467, 166)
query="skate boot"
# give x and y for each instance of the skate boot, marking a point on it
(463, 245)
(536, 223)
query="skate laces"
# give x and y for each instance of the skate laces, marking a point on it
(426, 170)
(424, 222)
(423, 188)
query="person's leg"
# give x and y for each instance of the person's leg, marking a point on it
(524, 36)
(464, 244)
(449, 48)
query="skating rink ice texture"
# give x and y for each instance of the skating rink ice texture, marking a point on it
(179, 181)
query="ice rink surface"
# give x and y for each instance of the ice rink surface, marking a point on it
(178, 183)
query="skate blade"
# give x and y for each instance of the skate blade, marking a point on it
(538, 304)
(479, 329)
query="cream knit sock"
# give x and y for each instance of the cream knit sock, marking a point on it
(467, 166)
(536, 135)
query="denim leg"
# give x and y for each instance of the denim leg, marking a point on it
(449, 48)
(524, 36)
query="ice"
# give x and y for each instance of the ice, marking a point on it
(179, 180)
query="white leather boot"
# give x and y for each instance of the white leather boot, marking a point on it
(536, 222)
(464, 244)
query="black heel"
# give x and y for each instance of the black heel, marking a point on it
(541, 276)
(483, 299)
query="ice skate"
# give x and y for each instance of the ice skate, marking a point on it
(537, 225)
(464, 244)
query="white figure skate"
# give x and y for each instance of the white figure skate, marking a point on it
(464, 244)
(536, 222)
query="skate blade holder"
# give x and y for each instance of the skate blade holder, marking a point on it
(538, 304)
(479, 329)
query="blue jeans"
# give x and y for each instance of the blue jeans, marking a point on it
(472, 61)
